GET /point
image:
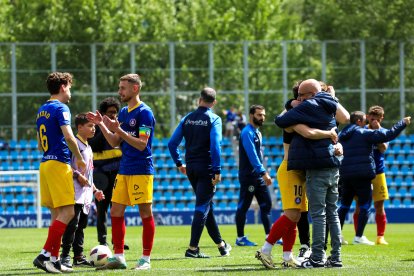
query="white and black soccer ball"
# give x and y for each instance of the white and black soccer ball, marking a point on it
(99, 255)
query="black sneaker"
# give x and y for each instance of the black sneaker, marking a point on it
(310, 263)
(126, 247)
(81, 261)
(40, 261)
(225, 250)
(195, 254)
(333, 263)
(65, 260)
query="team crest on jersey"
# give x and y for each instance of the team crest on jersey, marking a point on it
(132, 122)
(251, 188)
(298, 200)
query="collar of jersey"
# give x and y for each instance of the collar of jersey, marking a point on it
(81, 139)
(132, 108)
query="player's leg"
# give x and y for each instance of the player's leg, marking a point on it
(120, 200)
(379, 195)
(68, 237)
(102, 206)
(214, 233)
(246, 194)
(79, 258)
(364, 193)
(264, 200)
(333, 221)
(203, 189)
(58, 194)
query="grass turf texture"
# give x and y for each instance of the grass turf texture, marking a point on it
(20, 246)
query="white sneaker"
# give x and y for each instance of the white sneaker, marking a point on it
(343, 241)
(142, 265)
(304, 253)
(266, 259)
(292, 262)
(362, 240)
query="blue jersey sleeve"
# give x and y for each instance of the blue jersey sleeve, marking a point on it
(248, 144)
(215, 144)
(174, 142)
(63, 115)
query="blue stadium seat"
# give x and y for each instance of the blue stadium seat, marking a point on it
(222, 205)
(33, 144)
(396, 202)
(13, 144)
(157, 195)
(10, 210)
(219, 195)
(180, 206)
(159, 206)
(178, 195)
(31, 209)
(232, 205)
(191, 205)
(407, 202)
(392, 191)
(167, 195)
(402, 191)
(188, 195)
(21, 209)
(35, 165)
(29, 198)
(170, 206)
(9, 198)
(4, 155)
(23, 144)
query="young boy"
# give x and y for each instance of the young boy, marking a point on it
(84, 189)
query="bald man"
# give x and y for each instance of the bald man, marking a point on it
(318, 110)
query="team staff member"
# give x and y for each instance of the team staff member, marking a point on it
(134, 183)
(358, 167)
(379, 183)
(55, 138)
(253, 177)
(201, 130)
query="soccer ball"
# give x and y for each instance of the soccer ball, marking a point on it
(99, 255)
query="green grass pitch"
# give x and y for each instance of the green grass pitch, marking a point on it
(18, 248)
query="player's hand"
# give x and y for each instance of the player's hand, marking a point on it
(407, 120)
(83, 181)
(338, 149)
(331, 90)
(112, 125)
(183, 169)
(99, 195)
(216, 179)
(95, 118)
(81, 164)
(334, 135)
(267, 179)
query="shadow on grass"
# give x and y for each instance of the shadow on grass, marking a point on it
(33, 271)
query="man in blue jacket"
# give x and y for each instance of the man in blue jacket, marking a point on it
(318, 159)
(358, 166)
(253, 177)
(201, 130)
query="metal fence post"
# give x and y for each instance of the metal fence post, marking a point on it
(211, 64)
(246, 75)
(93, 77)
(172, 85)
(363, 83)
(14, 91)
(402, 80)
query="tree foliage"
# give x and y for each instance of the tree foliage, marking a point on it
(381, 24)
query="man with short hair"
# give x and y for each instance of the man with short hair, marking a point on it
(55, 138)
(317, 157)
(253, 177)
(379, 183)
(134, 183)
(358, 167)
(201, 130)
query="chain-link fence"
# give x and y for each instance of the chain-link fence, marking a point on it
(363, 73)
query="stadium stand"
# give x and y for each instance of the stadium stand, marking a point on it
(172, 191)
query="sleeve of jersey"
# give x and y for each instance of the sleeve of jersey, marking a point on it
(248, 144)
(146, 123)
(174, 142)
(63, 114)
(384, 135)
(215, 145)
